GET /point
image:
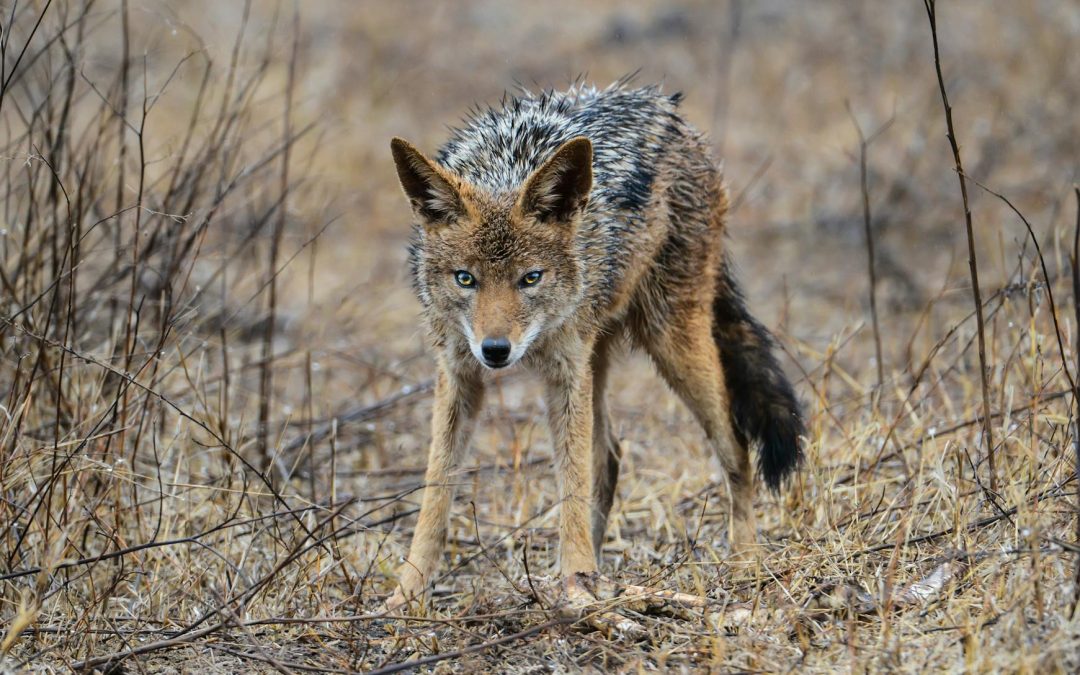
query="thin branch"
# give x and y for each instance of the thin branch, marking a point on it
(973, 264)
(864, 144)
(1076, 400)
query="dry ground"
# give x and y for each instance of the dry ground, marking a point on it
(143, 511)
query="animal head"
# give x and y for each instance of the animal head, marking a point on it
(499, 270)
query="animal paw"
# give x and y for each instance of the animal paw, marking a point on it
(401, 600)
(595, 600)
(613, 608)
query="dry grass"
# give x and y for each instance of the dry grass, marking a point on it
(194, 242)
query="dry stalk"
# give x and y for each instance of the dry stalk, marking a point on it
(1076, 399)
(973, 263)
(864, 144)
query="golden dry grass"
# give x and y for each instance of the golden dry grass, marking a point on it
(140, 513)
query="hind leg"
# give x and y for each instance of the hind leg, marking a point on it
(687, 357)
(607, 452)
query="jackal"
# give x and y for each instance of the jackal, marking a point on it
(549, 232)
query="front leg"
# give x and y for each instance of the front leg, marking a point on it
(458, 393)
(568, 377)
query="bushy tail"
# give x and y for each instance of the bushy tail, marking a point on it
(763, 403)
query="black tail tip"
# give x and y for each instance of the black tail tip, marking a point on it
(780, 452)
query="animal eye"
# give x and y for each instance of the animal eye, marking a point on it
(464, 279)
(531, 278)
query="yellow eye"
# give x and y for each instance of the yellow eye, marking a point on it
(531, 279)
(464, 279)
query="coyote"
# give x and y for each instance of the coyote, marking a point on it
(551, 231)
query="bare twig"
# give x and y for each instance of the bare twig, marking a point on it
(1076, 399)
(988, 434)
(266, 392)
(359, 414)
(864, 144)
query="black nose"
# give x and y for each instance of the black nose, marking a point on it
(495, 350)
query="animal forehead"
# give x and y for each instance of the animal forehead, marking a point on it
(491, 239)
(501, 241)
(498, 241)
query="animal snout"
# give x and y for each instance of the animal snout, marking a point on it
(496, 351)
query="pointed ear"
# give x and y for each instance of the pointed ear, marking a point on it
(430, 189)
(560, 188)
